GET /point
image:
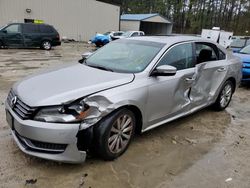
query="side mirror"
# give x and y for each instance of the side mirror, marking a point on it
(4, 31)
(164, 70)
(86, 55)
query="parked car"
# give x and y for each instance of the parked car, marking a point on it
(244, 54)
(128, 34)
(115, 35)
(102, 39)
(128, 86)
(238, 43)
(26, 35)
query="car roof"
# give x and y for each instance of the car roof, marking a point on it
(171, 39)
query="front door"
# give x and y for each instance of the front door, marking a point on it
(13, 36)
(168, 96)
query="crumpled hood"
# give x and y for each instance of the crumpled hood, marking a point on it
(66, 84)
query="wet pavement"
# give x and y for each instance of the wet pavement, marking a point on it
(207, 149)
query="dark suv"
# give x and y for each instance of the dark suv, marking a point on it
(21, 35)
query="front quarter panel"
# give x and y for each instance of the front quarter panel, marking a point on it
(105, 102)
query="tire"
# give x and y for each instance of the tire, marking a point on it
(46, 45)
(225, 96)
(109, 136)
(1, 44)
(98, 44)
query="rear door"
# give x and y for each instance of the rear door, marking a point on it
(168, 96)
(31, 35)
(12, 36)
(211, 70)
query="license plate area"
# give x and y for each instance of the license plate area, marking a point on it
(10, 119)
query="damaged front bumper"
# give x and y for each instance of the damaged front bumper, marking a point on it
(51, 141)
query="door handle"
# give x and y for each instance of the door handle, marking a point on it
(189, 79)
(221, 69)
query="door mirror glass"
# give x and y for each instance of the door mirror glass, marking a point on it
(164, 70)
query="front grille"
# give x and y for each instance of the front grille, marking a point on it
(42, 147)
(21, 109)
(49, 146)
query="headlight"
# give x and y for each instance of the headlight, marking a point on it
(63, 114)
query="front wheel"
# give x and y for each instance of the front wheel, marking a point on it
(225, 96)
(46, 45)
(113, 135)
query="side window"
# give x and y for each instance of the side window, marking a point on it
(205, 52)
(135, 34)
(141, 34)
(30, 28)
(13, 29)
(222, 55)
(46, 29)
(180, 56)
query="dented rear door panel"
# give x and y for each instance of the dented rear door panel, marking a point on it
(209, 77)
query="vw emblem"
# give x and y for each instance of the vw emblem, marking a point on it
(13, 101)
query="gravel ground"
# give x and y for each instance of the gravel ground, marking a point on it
(207, 149)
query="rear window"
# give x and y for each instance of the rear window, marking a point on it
(46, 29)
(30, 28)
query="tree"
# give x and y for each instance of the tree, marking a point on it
(190, 16)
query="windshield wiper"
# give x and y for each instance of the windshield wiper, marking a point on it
(101, 68)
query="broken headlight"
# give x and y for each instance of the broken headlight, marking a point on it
(63, 114)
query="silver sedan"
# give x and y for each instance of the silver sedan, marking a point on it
(129, 86)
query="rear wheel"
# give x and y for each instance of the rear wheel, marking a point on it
(1, 44)
(46, 45)
(225, 96)
(113, 135)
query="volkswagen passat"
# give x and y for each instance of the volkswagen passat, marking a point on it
(130, 85)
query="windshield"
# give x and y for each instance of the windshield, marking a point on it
(1, 27)
(245, 50)
(127, 56)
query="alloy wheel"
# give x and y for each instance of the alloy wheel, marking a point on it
(46, 45)
(226, 95)
(120, 134)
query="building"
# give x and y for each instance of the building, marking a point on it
(149, 23)
(78, 19)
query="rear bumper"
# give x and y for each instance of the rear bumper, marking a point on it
(56, 43)
(53, 141)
